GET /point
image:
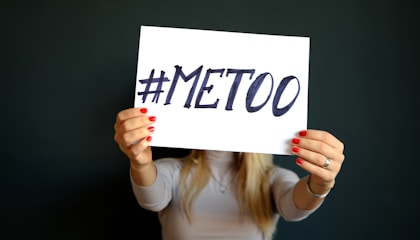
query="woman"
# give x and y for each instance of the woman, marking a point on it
(226, 195)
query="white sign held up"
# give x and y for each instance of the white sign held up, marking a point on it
(220, 90)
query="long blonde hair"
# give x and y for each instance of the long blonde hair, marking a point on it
(253, 186)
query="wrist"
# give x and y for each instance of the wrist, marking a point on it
(143, 175)
(318, 190)
(138, 167)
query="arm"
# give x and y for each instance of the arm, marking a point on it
(157, 195)
(133, 129)
(145, 175)
(316, 149)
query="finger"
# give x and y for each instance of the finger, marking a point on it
(315, 158)
(141, 146)
(322, 149)
(127, 114)
(133, 136)
(136, 148)
(322, 136)
(315, 170)
(135, 123)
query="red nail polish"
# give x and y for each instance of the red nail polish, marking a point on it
(295, 149)
(151, 129)
(143, 110)
(299, 161)
(296, 140)
(303, 133)
(149, 138)
(152, 119)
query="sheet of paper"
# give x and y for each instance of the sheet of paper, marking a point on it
(223, 90)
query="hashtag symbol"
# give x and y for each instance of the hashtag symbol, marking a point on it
(160, 80)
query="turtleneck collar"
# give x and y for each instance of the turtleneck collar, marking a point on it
(221, 161)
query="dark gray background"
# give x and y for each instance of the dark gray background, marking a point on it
(67, 68)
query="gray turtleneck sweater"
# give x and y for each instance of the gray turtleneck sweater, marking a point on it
(216, 214)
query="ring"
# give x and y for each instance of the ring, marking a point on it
(327, 163)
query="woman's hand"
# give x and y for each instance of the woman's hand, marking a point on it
(133, 129)
(320, 154)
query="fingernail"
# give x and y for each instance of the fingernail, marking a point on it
(152, 118)
(149, 138)
(299, 161)
(303, 133)
(143, 110)
(151, 129)
(296, 140)
(295, 149)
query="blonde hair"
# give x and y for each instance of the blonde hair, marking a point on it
(253, 186)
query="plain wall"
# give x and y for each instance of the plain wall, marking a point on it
(68, 67)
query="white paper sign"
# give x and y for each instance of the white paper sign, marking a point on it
(223, 90)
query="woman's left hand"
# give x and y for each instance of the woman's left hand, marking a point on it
(320, 154)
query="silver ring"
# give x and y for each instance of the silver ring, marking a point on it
(327, 163)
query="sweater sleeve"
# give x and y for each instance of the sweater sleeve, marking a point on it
(158, 195)
(283, 184)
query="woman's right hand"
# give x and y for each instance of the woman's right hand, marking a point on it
(133, 129)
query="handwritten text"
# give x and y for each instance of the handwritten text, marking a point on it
(205, 87)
